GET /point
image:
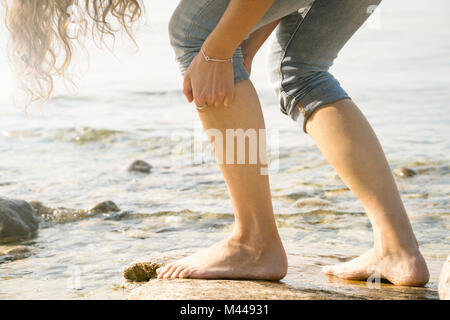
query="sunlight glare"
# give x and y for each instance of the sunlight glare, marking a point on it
(6, 78)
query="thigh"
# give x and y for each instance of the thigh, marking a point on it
(281, 9)
(190, 25)
(193, 21)
(318, 37)
(304, 49)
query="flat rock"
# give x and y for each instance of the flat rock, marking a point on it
(18, 220)
(180, 289)
(11, 253)
(444, 281)
(303, 281)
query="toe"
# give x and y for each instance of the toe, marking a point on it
(177, 271)
(338, 270)
(346, 271)
(169, 272)
(185, 273)
(328, 270)
(163, 271)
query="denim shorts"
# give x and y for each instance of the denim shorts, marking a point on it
(307, 40)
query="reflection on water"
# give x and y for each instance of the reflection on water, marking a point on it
(76, 152)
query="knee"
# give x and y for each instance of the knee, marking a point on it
(289, 76)
(189, 25)
(177, 36)
(301, 87)
(178, 29)
(292, 81)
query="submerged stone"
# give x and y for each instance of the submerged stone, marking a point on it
(18, 220)
(404, 172)
(444, 281)
(311, 202)
(41, 209)
(142, 271)
(14, 252)
(62, 215)
(140, 166)
(104, 207)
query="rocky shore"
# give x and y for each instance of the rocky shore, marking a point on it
(19, 221)
(300, 283)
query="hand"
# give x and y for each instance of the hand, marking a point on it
(208, 82)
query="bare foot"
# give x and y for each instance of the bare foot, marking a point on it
(232, 259)
(400, 269)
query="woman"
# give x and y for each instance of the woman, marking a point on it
(214, 42)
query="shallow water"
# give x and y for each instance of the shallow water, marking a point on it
(75, 150)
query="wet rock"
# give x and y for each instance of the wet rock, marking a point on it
(62, 215)
(142, 271)
(444, 281)
(18, 220)
(404, 172)
(12, 253)
(311, 202)
(303, 281)
(140, 166)
(297, 195)
(41, 209)
(104, 207)
(177, 289)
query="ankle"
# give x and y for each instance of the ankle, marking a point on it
(255, 239)
(385, 248)
(395, 242)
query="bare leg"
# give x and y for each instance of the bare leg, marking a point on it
(348, 142)
(254, 250)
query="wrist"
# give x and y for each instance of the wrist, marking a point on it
(217, 49)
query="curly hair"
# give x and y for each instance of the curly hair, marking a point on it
(43, 37)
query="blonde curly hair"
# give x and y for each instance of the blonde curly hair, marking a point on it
(42, 37)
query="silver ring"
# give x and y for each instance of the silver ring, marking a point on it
(202, 107)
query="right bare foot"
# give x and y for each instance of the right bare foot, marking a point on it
(401, 268)
(232, 259)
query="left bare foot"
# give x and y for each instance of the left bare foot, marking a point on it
(400, 269)
(231, 259)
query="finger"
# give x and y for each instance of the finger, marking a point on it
(187, 89)
(220, 99)
(229, 96)
(199, 102)
(210, 100)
